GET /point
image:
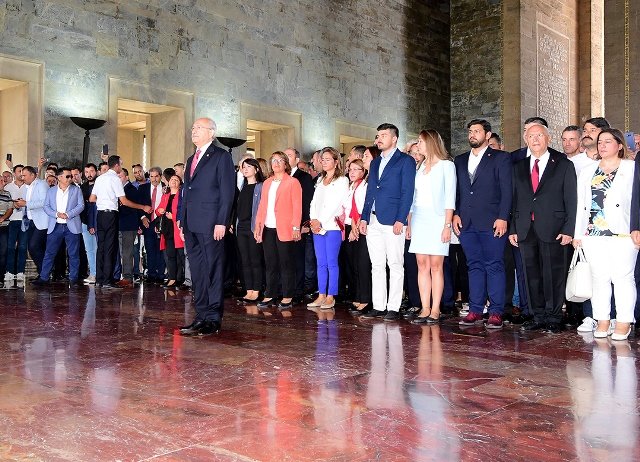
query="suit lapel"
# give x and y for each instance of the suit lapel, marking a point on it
(394, 160)
(486, 158)
(548, 172)
(204, 159)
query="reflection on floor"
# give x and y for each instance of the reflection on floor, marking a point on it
(87, 375)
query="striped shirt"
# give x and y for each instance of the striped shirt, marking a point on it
(6, 203)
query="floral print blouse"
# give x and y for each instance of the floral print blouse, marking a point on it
(600, 184)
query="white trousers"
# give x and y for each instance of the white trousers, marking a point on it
(612, 261)
(385, 248)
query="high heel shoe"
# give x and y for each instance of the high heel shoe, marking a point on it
(621, 337)
(600, 333)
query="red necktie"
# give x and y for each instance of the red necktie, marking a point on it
(194, 162)
(354, 215)
(535, 179)
(535, 175)
(154, 196)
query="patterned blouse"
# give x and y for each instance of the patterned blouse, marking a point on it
(600, 184)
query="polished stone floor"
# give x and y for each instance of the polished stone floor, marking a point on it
(87, 375)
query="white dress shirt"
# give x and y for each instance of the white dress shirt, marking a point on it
(107, 189)
(62, 199)
(270, 219)
(203, 149)
(17, 192)
(474, 160)
(327, 203)
(581, 161)
(544, 160)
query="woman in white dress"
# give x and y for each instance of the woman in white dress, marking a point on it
(430, 222)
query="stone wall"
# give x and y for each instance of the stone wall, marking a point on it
(476, 67)
(362, 61)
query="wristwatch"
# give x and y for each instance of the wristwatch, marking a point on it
(295, 228)
(447, 225)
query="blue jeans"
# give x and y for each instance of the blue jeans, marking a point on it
(4, 234)
(327, 248)
(16, 263)
(55, 239)
(91, 247)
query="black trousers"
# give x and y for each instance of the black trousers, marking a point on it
(411, 275)
(252, 260)
(360, 268)
(107, 231)
(545, 264)
(280, 265)
(206, 258)
(174, 260)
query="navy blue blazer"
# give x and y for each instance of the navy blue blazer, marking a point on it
(128, 218)
(393, 192)
(208, 196)
(488, 198)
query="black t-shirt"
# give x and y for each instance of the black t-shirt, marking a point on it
(86, 189)
(245, 203)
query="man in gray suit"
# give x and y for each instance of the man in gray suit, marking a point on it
(63, 206)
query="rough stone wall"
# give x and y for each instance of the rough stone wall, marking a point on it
(476, 67)
(614, 72)
(363, 61)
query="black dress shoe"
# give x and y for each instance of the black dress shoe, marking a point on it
(183, 287)
(110, 286)
(357, 312)
(554, 327)
(373, 313)
(411, 313)
(426, 321)
(193, 329)
(392, 316)
(533, 325)
(76, 284)
(266, 304)
(40, 283)
(209, 328)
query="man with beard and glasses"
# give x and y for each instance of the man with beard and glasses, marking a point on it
(483, 206)
(88, 219)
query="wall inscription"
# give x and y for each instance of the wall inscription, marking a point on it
(553, 79)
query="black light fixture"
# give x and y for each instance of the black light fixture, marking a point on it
(230, 142)
(87, 125)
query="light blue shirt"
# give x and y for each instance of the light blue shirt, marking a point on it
(384, 160)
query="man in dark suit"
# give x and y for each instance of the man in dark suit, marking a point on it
(306, 182)
(386, 208)
(128, 225)
(483, 205)
(544, 216)
(205, 211)
(150, 193)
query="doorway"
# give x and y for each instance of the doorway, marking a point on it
(14, 119)
(263, 138)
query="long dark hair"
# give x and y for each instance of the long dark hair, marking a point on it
(255, 164)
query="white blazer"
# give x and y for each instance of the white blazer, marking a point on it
(327, 203)
(617, 204)
(443, 186)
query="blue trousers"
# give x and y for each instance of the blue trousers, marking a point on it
(55, 239)
(485, 260)
(37, 239)
(16, 258)
(327, 248)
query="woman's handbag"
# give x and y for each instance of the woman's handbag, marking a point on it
(579, 283)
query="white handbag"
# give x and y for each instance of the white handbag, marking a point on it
(579, 281)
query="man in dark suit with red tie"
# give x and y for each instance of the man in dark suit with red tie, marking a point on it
(205, 211)
(542, 225)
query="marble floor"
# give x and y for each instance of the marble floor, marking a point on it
(87, 375)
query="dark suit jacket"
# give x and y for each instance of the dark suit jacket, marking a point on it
(207, 197)
(128, 218)
(519, 154)
(553, 204)
(488, 198)
(393, 192)
(635, 199)
(306, 182)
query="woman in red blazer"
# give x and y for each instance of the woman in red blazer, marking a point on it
(170, 241)
(277, 227)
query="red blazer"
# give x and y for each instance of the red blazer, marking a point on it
(288, 207)
(179, 243)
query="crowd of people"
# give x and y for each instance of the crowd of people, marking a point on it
(391, 234)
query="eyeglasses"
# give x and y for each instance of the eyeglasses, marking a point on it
(68, 177)
(356, 169)
(275, 160)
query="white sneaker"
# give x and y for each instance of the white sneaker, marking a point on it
(9, 276)
(464, 310)
(20, 277)
(90, 280)
(588, 325)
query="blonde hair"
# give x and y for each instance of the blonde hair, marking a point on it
(339, 171)
(434, 145)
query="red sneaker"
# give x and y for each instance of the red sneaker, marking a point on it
(471, 319)
(494, 322)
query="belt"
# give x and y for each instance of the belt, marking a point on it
(108, 211)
